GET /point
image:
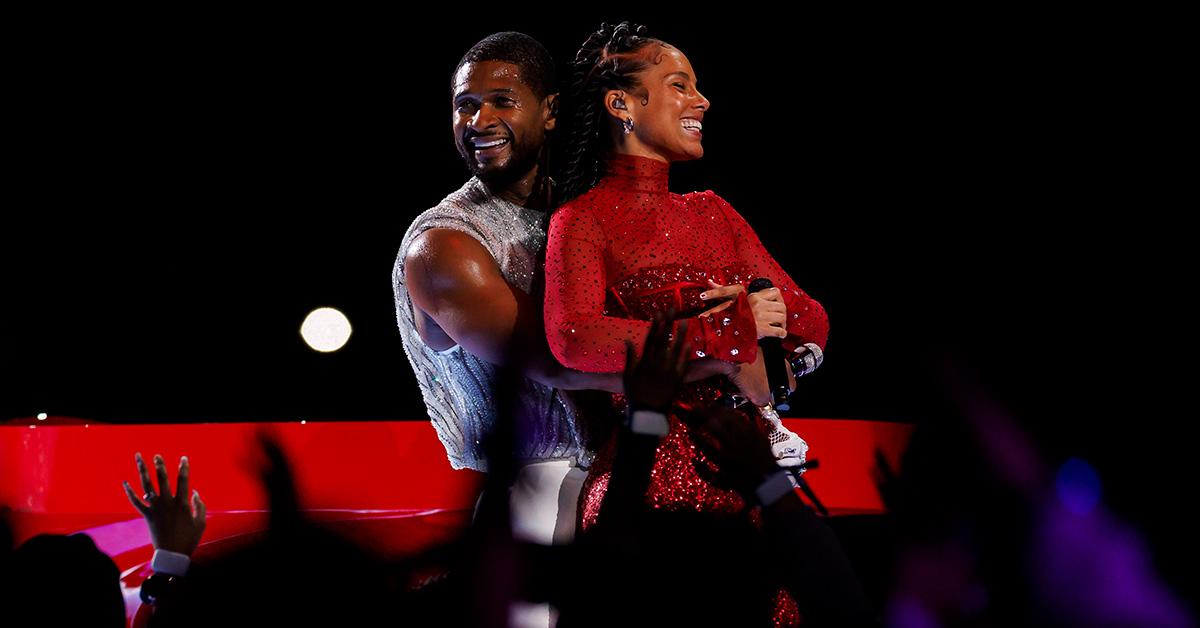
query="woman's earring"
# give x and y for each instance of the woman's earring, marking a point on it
(628, 124)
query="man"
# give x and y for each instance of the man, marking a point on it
(465, 283)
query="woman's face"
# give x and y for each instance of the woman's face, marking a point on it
(668, 125)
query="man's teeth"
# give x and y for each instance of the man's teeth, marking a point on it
(688, 123)
(491, 143)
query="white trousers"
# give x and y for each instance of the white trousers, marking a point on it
(543, 501)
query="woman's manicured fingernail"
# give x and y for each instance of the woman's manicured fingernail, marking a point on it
(703, 295)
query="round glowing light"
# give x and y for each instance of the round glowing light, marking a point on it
(41, 416)
(325, 329)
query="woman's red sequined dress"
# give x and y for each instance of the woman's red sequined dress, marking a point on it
(628, 248)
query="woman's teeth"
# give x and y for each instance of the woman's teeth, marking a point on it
(692, 125)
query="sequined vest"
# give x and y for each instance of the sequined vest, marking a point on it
(456, 384)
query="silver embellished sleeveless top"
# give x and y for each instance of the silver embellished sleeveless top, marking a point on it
(457, 385)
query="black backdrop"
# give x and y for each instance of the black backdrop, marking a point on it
(981, 190)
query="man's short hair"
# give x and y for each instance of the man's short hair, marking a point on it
(527, 53)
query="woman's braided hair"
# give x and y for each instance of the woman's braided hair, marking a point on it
(610, 58)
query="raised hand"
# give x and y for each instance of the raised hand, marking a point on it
(175, 522)
(653, 381)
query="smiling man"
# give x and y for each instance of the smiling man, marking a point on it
(467, 287)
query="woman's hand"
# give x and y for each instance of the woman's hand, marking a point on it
(770, 313)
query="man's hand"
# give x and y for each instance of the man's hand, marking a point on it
(704, 368)
(653, 381)
(173, 524)
(559, 376)
(751, 380)
(791, 377)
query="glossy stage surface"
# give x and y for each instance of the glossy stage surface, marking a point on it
(386, 484)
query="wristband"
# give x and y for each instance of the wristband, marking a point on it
(170, 563)
(648, 422)
(805, 359)
(156, 587)
(776, 485)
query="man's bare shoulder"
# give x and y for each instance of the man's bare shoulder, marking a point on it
(443, 246)
(443, 263)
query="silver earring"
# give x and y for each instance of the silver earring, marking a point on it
(628, 124)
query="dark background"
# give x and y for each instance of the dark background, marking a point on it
(986, 191)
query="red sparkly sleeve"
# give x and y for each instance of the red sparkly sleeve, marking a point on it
(806, 318)
(583, 338)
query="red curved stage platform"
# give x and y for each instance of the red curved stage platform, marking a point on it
(386, 484)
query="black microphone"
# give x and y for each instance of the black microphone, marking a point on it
(774, 356)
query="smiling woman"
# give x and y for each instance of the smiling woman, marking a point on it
(623, 248)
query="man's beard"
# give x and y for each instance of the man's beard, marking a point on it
(521, 159)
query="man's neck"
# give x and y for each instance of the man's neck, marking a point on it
(519, 191)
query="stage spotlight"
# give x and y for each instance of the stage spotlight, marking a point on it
(41, 416)
(325, 329)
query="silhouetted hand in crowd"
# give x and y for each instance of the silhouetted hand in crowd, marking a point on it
(175, 522)
(640, 558)
(653, 381)
(807, 556)
(277, 477)
(736, 443)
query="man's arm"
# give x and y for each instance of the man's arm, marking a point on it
(453, 279)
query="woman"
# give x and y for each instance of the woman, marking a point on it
(622, 247)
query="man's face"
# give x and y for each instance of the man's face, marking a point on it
(499, 124)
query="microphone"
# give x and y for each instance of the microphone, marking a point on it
(774, 356)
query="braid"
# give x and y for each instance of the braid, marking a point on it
(610, 58)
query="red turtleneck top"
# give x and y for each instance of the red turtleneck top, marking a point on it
(629, 247)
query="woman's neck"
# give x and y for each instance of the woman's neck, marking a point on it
(640, 151)
(635, 173)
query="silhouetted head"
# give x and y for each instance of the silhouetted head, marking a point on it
(57, 580)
